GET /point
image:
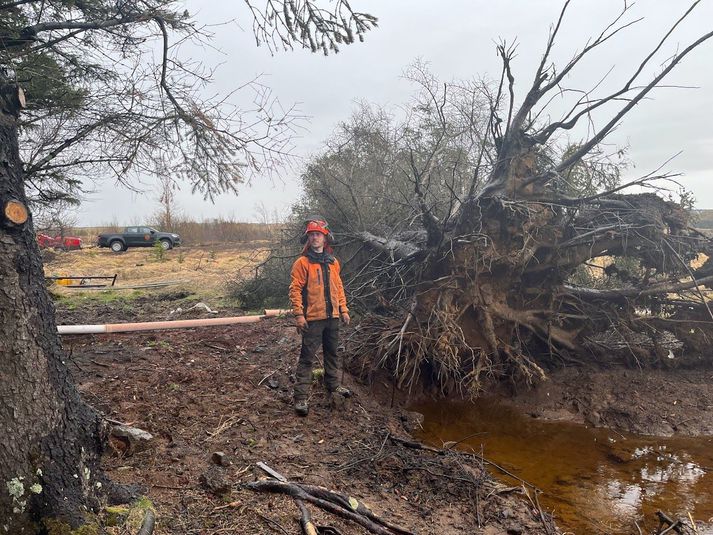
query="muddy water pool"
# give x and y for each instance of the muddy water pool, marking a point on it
(593, 480)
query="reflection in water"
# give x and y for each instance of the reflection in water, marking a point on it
(594, 480)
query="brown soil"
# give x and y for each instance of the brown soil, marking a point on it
(228, 389)
(641, 401)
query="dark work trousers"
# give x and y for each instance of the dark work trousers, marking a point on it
(325, 332)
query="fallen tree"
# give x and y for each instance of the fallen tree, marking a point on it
(482, 245)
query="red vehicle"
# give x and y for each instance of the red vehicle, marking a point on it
(66, 243)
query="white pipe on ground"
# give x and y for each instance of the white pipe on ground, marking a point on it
(274, 312)
(160, 325)
(81, 329)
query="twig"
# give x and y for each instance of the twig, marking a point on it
(676, 526)
(473, 482)
(116, 422)
(227, 505)
(78, 366)
(693, 523)
(673, 525)
(542, 515)
(269, 471)
(693, 277)
(268, 375)
(225, 425)
(388, 434)
(171, 487)
(451, 445)
(212, 346)
(272, 522)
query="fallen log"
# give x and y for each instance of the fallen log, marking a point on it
(349, 502)
(296, 491)
(344, 506)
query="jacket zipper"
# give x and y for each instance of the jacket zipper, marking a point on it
(329, 307)
(319, 277)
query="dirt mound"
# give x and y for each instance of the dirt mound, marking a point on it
(647, 402)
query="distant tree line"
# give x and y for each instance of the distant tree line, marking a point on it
(703, 219)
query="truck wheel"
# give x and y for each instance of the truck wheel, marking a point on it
(166, 244)
(116, 246)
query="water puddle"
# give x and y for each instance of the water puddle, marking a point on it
(594, 480)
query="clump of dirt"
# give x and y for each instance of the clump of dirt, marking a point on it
(225, 393)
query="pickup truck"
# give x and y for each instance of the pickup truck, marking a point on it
(138, 237)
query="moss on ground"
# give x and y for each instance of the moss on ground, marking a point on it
(137, 513)
(58, 527)
(126, 518)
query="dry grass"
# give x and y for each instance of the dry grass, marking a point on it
(202, 270)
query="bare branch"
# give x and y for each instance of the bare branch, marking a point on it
(284, 22)
(606, 129)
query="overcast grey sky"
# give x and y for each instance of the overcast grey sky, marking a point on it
(457, 38)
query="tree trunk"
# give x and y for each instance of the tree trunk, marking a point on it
(49, 452)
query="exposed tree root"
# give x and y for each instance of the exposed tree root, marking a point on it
(509, 307)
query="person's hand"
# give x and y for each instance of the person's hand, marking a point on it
(345, 318)
(301, 324)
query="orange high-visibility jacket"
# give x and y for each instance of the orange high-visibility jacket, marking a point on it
(307, 289)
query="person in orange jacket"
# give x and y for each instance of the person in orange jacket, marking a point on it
(319, 303)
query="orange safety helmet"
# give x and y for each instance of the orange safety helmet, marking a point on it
(317, 225)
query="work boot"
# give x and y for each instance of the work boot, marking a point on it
(342, 391)
(301, 407)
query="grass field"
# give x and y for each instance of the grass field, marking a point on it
(204, 271)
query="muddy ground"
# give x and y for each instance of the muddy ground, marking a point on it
(228, 389)
(641, 401)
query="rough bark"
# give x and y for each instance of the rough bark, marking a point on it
(49, 452)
